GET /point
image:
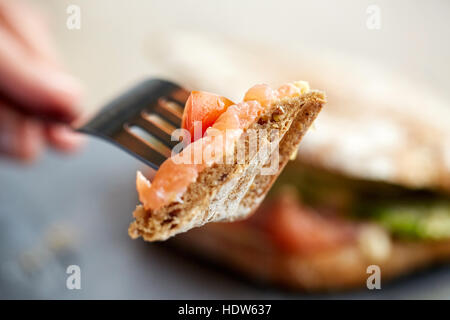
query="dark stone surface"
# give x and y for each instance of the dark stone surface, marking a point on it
(84, 203)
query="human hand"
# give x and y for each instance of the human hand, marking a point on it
(37, 98)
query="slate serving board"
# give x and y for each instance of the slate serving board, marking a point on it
(76, 210)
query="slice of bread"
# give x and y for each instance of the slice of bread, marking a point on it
(250, 252)
(231, 191)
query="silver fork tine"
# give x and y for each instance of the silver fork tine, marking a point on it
(180, 96)
(144, 150)
(170, 110)
(155, 106)
(157, 127)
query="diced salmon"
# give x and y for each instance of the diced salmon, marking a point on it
(262, 93)
(214, 113)
(239, 116)
(288, 90)
(204, 108)
(169, 183)
(296, 228)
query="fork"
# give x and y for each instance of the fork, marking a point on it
(141, 120)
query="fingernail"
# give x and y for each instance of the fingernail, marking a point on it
(71, 139)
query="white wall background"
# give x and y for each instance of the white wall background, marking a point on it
(111, 49)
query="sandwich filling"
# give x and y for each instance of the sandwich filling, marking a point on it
(219, 120)
(404, 213)
(311, 210)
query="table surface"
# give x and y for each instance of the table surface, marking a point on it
(75, 211)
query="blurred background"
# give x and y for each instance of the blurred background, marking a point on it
(76, 210)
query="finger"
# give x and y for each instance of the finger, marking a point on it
(37, 88)
(29, 27)
(20, 137)
(63, 138)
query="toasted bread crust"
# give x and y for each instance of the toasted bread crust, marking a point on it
(248, 251)
(227, 192)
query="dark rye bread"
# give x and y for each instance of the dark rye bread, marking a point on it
(227, 192)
